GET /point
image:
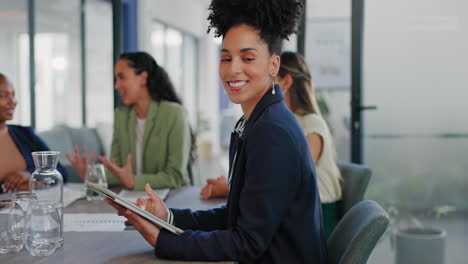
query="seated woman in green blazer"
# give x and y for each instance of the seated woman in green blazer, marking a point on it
(152, 140)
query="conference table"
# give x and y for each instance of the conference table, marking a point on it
(116, 246)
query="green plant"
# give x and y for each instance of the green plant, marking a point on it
(411, 220)
(443, 210)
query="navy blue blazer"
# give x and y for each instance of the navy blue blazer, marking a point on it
(273, 214)
(27, 141)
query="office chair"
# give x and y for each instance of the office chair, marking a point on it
(355, 180)
(357, 233)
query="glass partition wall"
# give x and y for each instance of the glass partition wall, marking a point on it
(415, 142)
(14, 54)
(57, 63)
(177, 51)
(328, 54)
(415, 72)
(99, 68)
(415, 60)
(60, 84)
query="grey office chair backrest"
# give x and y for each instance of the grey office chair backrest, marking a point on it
(355, 180)
(357, 233)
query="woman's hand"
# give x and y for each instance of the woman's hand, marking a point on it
(124, 174)
(215, 188)
(17, 181)
(81, 162)
(154, 204)
(147, 229)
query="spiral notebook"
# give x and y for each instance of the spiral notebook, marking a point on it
(127, 204)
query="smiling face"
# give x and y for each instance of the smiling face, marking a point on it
(246, 67)
(131, 86)
(7, 100)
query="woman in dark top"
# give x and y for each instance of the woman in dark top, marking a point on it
(294, 77)
(16, 144)
(273, 213)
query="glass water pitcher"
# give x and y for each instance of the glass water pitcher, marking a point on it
(46, 183)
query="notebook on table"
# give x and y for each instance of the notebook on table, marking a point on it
(132, 196)
(127, 204)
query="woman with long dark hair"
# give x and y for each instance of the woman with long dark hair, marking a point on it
(152, 141)
(294, 77)
(273, 214)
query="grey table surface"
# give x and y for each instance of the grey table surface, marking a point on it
(112, 247)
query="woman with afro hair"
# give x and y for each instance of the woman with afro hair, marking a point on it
(273, 213)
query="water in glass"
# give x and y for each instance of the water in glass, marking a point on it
(96, 174)
(43, 228)
(11, 226)
(47, 184)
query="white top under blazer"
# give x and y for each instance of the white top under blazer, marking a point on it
(328, 174)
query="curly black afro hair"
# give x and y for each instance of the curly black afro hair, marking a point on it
(274, 19)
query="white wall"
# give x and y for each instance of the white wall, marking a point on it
(328, 9)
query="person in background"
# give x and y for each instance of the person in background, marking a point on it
(16, 144)
(295, 80)
(152, 141)
(273, 214)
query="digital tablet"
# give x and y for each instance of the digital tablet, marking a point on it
(123, 202)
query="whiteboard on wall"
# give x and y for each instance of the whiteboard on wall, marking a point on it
(329, 57)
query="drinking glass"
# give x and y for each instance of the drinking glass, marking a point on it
(42, 233)
(23, 198)
(96, 174)
(11, 226)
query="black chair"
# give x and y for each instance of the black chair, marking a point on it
(357, 233)
(356, 177)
